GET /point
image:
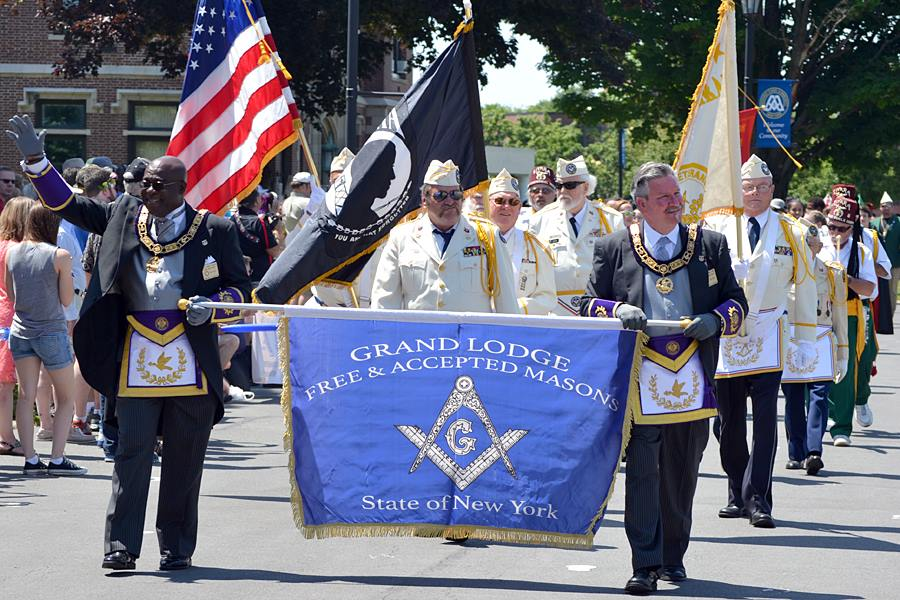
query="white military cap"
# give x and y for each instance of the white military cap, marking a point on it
(592, 185)
(572, 170)
(504, 182)
(886, 199)
(340, 162)
(300, 178)
(755, 168)
(442, 173)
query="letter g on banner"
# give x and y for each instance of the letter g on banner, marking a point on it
(468, 444)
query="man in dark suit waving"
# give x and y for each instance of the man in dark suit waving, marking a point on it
(157, 364)
(665, 270)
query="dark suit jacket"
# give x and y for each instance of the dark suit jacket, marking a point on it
(617, 275)
(100, 332)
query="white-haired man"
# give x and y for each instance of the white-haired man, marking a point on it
(570, 227)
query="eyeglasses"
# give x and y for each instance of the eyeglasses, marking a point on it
(540, 189)
(501, 201)
(569, 185)
(762, 188)
(157, 184)
(8, 181)
(441, 195)
(838, 228)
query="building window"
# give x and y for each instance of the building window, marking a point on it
(399, 61)
(149, 128)
(63, 116)
(151, 115)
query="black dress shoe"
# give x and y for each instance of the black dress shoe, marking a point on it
(732, 511)
(761, 519)
(174, 563)
(120, 560)
(642, 582)
(793, 465)
(813, 464)
(672, 574)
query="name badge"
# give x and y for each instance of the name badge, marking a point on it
(210, 270)
(713, 280)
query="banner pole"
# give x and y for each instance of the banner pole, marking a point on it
(426, 316)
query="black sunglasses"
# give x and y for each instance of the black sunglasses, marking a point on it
(441, 195)
(837, 228)
(8, 181)
(157, 184)
(569, 185)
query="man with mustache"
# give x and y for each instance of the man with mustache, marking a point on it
(444, 260)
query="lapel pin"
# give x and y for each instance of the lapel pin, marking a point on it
(203, 242)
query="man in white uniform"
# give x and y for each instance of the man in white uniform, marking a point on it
(531, 261)
(570, 227)
(293, 210)
(443, 260)
(752, 363)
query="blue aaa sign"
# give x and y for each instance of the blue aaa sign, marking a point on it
(774, 100)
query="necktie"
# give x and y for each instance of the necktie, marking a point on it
(663, 252)
(574, 224)
(753, 233)
(165, 230)
(445, 235)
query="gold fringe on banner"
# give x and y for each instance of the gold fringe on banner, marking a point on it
(583, 541)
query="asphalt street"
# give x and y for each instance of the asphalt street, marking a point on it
(838, 534)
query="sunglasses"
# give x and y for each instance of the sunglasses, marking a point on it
(540, 189)
(441, 195)
(157, 184)
(8, 181)
(500, 201)
(569, 185)
(838, 228)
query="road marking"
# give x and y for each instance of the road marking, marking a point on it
(581, 568)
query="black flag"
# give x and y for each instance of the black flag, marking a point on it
(439, 118)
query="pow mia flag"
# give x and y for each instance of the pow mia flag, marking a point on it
(438, 118)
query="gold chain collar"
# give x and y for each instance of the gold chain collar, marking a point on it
(664, 268)
(158, 249)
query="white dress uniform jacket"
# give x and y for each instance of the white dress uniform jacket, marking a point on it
(412, 274)
(780, 261)
(532, 264)
(573, 255)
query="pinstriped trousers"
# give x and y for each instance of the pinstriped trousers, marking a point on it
(661, 469)
(185, 423)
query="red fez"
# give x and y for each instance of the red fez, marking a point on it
(844, 210)
(847, 190)
(542, 174)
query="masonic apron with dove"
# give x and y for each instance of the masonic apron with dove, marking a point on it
(158, 360)
(673, 386)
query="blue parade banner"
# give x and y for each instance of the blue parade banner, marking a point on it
(434, 424)
(774, 101)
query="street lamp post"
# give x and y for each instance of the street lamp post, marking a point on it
(352, 53)
(751, 8)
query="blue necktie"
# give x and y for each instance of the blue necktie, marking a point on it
(754, 233)
(446, 235)
(663, 254)
(574, 224)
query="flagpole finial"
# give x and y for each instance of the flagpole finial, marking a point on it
(467, 5)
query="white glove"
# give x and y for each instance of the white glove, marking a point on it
(840, 370)
(741, 269)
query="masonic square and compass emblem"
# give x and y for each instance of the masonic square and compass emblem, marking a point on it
(463, 395)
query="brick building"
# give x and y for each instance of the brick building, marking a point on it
(128, 109)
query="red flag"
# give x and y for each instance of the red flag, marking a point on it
(747, 121)
(237, 111)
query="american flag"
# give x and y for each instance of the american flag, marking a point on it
(237, 111)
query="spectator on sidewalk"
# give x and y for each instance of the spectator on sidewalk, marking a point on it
(12, 230)
(39, 282)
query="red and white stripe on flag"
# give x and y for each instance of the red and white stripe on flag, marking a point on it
(237, 111)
